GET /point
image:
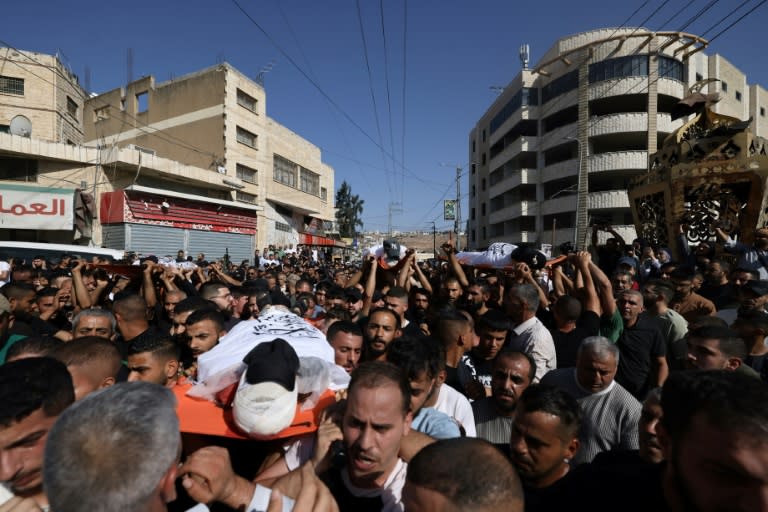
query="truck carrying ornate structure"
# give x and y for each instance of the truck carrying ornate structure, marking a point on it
(712, 171)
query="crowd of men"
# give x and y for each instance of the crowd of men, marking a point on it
(624, 377)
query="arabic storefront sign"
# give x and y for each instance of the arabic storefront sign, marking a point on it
(36, 208)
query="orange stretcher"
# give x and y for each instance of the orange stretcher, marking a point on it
(200, 416)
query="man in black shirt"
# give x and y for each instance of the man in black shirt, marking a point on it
(643, 362)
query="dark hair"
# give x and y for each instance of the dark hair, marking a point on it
(38, 346)
(729, 342)
(415, 356)
(335, 292)
(27, 385)
(17, 290)
(372, 374)
(512, 353)
(192, 303)
(397, 292)
(214, 315)
(555, 401)
(569, 308)
(164, 347)
(663, 288)
(730, 401)
(345, 326)
(337, 313)
(493, 320)
(88, 350)
(420, 291)
(48, 291)
(469, 472)
(387, 311)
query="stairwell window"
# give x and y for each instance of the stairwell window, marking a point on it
(247, 101)
(246, 137)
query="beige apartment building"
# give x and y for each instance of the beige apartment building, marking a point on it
(554, 153)
(39, 92)
(215, 120)
(192, 164)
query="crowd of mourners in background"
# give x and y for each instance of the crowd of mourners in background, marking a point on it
(626, 376)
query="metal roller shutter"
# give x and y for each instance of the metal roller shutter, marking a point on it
(214, 245)
(158, 240)
(113, 236)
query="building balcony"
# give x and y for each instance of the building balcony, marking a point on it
(609, 199)
(670, 87)
(618, 87)
(560, 170)
(515, 178)
(628, 122)
(558, 136)
(514, 210)
(618, 160)
(523, 113)
(522, 143)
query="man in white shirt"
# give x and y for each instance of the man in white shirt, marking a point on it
(529, 335)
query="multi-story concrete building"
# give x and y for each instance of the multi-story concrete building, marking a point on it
(39, 91)
(554, 153)
(214, 119)
(185, 164)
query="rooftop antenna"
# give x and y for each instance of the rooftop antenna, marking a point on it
(525, 55)
(263, 71)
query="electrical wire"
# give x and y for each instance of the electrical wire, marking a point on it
(373, 96)
(389, 98)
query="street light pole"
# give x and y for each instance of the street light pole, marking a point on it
(458, 208)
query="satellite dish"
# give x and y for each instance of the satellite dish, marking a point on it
(21, 126)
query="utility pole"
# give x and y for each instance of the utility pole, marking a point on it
(434, 239)
(458, 209)
(393, 208)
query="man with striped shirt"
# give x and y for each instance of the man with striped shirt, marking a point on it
(611, 413)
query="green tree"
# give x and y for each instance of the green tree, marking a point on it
(349, 208)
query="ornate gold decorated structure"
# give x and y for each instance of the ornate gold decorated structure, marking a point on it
(712, 171)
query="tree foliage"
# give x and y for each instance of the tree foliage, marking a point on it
(349, 209)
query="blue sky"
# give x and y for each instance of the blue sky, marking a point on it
(455, 51)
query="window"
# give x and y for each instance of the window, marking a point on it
(482, 209)
(484, 234)
(762, 111)
(246, 137)
(71, 107)
(671, 68)
(11, 85)
(474, 235)
(282, 226)
(483, 135)
(473, 146)
(474, 168)
(323, 194)
(284, 171)
(100, 114)
(525, 96)
(562, 85)
(247, 101)
(482, 184)
(472, 217)
(18, 169)
(725, 86)
(474, 190)
(633, 65)
(482, 159)
(142, 102)
(699, 77)
(246, 174)
(738, 95)
(245, 197)
(309, 182)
